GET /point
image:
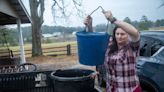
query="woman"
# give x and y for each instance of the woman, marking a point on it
(121, 55)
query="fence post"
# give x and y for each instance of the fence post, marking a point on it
(68, 49)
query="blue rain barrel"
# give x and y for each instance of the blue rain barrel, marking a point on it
(92, 47)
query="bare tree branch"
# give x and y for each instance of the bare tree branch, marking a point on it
(76, 3)
(76, 6)
(61, 9)
(161, 5)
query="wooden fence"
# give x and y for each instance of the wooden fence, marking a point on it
(51, 51)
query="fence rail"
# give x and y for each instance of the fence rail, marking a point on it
(68, 49)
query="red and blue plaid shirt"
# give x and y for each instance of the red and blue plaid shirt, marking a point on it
(121, 68)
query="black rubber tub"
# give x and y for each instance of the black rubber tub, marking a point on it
(73, 80)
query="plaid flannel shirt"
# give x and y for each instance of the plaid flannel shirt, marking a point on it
(121, 68)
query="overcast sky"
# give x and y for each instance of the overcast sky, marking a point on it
(134, 9)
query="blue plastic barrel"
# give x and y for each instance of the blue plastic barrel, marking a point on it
(92, 47)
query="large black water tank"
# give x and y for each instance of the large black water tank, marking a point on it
(73, 80)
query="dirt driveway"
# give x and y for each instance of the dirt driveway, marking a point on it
(57, 62)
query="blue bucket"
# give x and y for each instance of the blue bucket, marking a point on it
(92, 47)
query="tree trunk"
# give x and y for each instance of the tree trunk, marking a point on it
(37, 21)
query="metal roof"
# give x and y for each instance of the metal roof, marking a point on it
(19, 9)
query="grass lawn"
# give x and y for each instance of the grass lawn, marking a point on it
(54, 48)
(45, 45)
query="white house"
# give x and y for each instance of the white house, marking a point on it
(55, 34)
(14, 12)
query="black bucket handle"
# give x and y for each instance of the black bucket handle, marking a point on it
(96, 10)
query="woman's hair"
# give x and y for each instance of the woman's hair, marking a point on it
(113, 47)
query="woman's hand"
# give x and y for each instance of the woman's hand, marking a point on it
(88, 23)
(109, 16)
(93, 75)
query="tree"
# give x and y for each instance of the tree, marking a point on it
(145, 24)
(64, 10)
(159, 23)
(7, 37)
(127, 19)
(135, 24)
(37, 10)
(161, 4)
(101, 28)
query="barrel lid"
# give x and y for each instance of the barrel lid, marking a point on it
(72, 74)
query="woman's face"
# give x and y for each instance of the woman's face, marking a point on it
(121, 37)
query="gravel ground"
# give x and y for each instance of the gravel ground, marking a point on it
(53, 62)
(58, 62)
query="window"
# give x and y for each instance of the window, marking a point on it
(149, 46)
